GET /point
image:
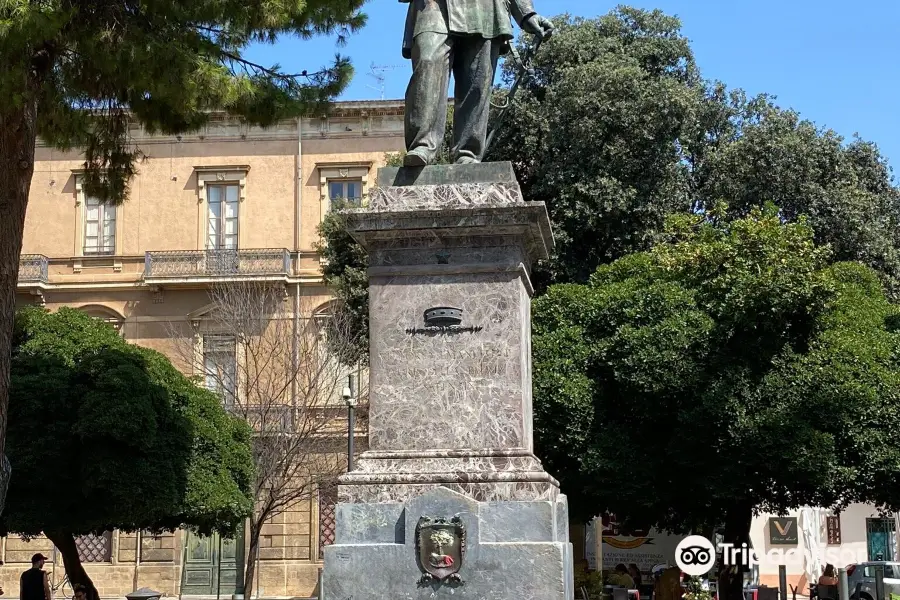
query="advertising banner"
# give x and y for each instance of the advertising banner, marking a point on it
(646, 548)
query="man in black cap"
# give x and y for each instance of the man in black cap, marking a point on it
(34, 583)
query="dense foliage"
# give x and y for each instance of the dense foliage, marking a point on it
(600, 130)
(617, 130)
(345, 267)
(732, 368)
(107, 435)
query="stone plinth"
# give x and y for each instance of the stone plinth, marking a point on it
(450, 407)
(514, 551)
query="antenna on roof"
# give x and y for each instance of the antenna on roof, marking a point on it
(377, 72)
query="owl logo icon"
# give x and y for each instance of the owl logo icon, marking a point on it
(695, 555)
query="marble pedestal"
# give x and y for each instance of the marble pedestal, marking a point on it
(450, 409)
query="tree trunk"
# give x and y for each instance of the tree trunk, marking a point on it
(737, 532)
(18, 134)
(65, 543)
(252, 548)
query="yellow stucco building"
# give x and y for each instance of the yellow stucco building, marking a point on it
(228, 203)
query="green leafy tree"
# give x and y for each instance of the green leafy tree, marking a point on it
(77, 74)
(765, 154)
(345, 269)
(694, 590)
(617, 130)
(731, 369)
(130, 442)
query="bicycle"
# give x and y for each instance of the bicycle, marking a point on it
(65, 585)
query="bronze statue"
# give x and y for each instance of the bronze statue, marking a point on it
(465, 37)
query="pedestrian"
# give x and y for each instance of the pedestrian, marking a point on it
(635, 575)
(34, 583)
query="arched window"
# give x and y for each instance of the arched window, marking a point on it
(322, 316)
(105, 314)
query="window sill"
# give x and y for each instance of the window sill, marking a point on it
(97, 261)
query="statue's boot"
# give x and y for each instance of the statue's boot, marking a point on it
(415, 158)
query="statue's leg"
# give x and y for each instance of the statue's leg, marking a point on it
(426, 97)
(474, 65)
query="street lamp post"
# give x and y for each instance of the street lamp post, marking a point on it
(350, 399)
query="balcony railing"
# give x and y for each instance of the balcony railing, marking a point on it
(266, 419)
(33, 268)
(285, 419)
(217, 263)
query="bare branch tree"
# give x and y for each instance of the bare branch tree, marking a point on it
(273, 365)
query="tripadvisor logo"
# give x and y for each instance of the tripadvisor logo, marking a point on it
(695, 555)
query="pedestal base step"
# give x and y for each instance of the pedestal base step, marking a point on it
(483, 475)
(499, 550)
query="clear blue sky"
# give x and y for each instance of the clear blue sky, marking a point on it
(835, 61)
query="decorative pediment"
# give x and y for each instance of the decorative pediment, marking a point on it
(211, 174)
(200, 314)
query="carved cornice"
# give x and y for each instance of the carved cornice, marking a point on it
(224, 127)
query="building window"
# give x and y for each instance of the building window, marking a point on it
(343, 184)
(220, 366)
(222, 217)
(220, 192)
(345, 193)
(99, 228)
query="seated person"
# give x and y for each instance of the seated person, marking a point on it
(621, 577)
(828, 577)
(635, 575)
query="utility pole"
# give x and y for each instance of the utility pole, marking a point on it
(350, 399)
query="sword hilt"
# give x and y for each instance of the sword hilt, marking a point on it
(523, 70)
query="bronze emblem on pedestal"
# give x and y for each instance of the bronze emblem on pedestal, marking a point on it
(440, 549)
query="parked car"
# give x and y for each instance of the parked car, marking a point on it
(863, 575)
